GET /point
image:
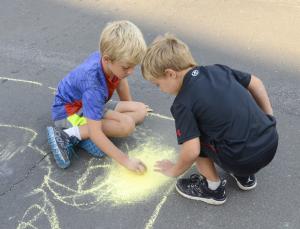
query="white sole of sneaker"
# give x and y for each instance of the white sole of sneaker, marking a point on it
(244, 188)
(54, 147)
(208, 201)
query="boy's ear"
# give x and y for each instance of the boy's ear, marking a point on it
(170, 73)
(106, 58)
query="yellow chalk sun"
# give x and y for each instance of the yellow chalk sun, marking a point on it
(122, 186)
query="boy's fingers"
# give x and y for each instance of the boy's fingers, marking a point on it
(158, 169)
(141, 168)
(157, 165)
(144, 166)
(161, 162)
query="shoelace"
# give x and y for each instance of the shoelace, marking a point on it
(74, 140)
(196, 180)
(70, 147)
(71, 142)
(71, 151)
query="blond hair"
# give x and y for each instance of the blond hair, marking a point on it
(166, 52)
(122, 40)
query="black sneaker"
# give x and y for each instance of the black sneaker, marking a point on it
(245, 183)
(61, 146)
(196, 188)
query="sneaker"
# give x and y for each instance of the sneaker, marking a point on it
(196, 188)
(245, 183)
(91, 148)
(61, 146)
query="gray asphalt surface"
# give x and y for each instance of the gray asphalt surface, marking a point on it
(40, 41)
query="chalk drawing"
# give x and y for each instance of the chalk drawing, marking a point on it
(11, 149)
(91, 190)
(34, 212)
(37, 211)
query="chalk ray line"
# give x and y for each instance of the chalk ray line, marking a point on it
(21, 80)
(161, 116)
(155, 214)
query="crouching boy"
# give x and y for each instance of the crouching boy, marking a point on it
(222, 116)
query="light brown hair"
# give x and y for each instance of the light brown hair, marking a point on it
(166, 52)
(122, 40)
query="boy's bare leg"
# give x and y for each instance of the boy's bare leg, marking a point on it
(136, 110)
(114, 124)
(207, 168)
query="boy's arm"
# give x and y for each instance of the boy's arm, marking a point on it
(98, 137)
(259, 93)
(124, 91)
(188, 154)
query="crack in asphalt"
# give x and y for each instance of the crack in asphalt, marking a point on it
(29, 171)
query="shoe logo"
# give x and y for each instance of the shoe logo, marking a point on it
(249, 180)
(195, 72)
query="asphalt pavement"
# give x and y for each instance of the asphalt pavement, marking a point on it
(41, 41)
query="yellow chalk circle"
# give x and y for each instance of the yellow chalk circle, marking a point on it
(122, 186)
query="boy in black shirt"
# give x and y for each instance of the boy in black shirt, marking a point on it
(221, 113)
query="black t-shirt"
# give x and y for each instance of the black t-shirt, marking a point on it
(215, 105)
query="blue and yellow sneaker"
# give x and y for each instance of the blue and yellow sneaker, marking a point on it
(91, 148)
(62, 146)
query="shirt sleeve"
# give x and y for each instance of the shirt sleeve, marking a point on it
(185, 123)
(242, 77)
(93, 101)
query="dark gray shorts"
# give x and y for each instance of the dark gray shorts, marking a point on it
(236, 166)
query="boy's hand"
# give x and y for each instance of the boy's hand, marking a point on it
(164, 167)
(136, 165)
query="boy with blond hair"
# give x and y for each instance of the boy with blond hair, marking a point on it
(222, 116)
(82, 111)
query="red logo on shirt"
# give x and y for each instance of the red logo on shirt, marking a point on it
(178, 133)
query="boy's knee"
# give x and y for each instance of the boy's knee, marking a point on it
(127, 125)
(142, 111)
